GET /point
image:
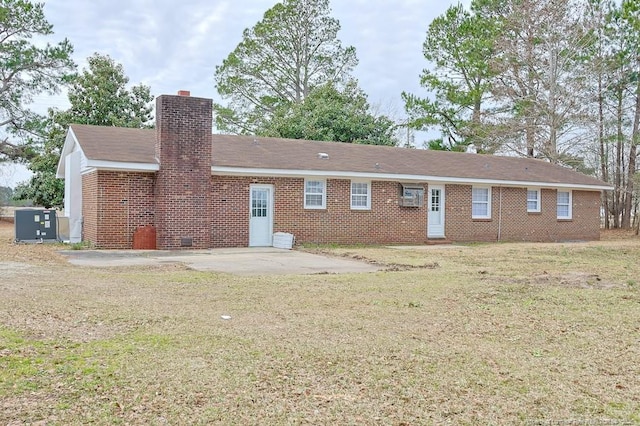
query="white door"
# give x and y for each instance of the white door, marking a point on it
(435, 221)
(261, 216)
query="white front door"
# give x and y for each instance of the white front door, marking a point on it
(435, 221)
(261, 216)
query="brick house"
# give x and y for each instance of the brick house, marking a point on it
(199, 190)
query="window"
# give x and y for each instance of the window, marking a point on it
(533, 200)
(360, 195)
(315, 195)
(481, 203)
(564, 205)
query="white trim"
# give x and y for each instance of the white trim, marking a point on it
(351, 194)
(126, 166)
(488, 202)
(70, 141)
(538, 200)
(323, 205)
(245, 171)
(570, 215)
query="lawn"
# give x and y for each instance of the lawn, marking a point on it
(536, 334)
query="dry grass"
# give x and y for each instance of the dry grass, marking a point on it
(485, 334)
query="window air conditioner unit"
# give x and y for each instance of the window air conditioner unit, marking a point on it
(412, 196)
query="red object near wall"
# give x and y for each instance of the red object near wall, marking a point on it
(145, 238)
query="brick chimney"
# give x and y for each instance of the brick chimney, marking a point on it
(183, 183)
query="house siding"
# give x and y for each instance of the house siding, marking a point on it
(116, 204)
(510, 220)
(90, 207)
(230, 211)
(385, 223)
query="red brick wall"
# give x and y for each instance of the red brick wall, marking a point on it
(230, 211)
(183, 189)
(386, 222)
(115, 204)
(90, 207)
(515, 223)
(125, 201)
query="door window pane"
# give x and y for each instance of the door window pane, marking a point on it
(435, 200)
(259, 203)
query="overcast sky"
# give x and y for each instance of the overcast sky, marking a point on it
(174, 45)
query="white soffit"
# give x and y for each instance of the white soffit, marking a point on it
(120, 166)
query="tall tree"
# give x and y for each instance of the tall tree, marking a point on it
(26, 70)
(631, 14)
(279, 61)
(540, 75)
(616, 71)
(327, 114)
(459, 46)
(598, 54)
(98, 96)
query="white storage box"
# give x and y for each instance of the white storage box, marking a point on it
(283, 240)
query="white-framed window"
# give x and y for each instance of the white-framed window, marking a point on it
(563, 207)
(360, 195)
(315, 194)
(533, 200)
(480, 202)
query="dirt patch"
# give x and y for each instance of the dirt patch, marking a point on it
(12, 269)
(385, 266)
(573, 279)
(38, 253)
(618, 234)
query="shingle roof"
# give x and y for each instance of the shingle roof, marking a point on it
(118, 144)
(248, 152)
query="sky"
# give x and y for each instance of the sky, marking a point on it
(174, 45)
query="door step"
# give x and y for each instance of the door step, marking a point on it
(437, 241)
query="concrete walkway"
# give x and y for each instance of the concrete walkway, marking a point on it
(241, 261)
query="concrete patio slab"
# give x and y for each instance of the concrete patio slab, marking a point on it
(241, 261)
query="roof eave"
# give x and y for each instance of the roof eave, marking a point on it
(69, 142)
(122, 166)
(242, 171)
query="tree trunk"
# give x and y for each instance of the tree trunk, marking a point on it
(617, 191)
(552, 144)
(633, 152)
(603, 153)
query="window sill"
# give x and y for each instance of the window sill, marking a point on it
(565, 219)
(534, 213)
(481, 219)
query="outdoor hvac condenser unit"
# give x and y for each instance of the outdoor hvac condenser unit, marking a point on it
(35, 225)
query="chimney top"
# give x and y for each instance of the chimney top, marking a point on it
(184, 93)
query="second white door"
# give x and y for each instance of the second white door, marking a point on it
(435, 220)
(261, 216)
